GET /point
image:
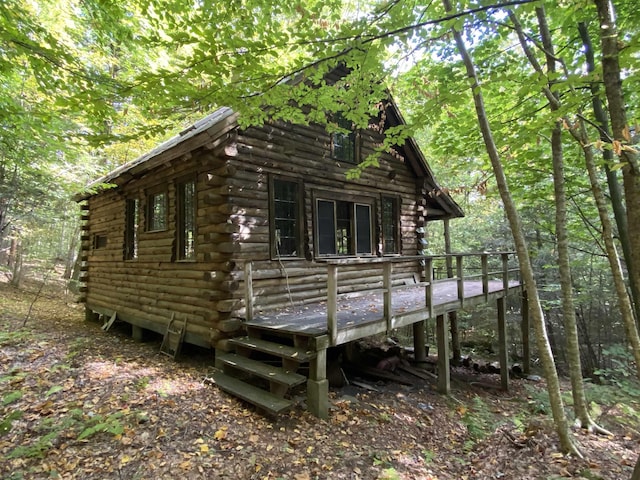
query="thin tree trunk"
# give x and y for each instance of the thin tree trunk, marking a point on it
(615, 191)
(553, 383)
(580, 406)
(636, 471)
(631, 330)
(621, 134)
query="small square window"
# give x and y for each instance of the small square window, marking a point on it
(99, 241)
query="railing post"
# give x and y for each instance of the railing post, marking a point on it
(248, 291)
(332, 302)
(505, 271)
(428, 289)
(387, 270)
(460, 275)
(485, 274)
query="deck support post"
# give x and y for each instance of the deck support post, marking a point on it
(332, 302)
(387, 270)
(460, 277)
(420, 341)
(428, 289)
(318, 386)
(484, 260)
(526, 345)
(444, 379)
(502, 343)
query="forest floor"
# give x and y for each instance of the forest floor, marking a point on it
(78, 402)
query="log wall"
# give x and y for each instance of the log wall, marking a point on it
(232, 229)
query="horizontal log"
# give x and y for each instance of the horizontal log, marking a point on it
(230, 325)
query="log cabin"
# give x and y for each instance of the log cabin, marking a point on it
(232, 238)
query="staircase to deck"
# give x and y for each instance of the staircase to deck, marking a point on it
(263, 369)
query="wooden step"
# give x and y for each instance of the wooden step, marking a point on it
(260, 369)
(284, 351)
(254, 395)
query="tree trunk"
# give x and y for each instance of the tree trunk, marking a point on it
(580, 406)
(70, 259)
(16, 279)
(624, 303)
(636, 471)
(621, 135)
(615, 191)
(553, 384)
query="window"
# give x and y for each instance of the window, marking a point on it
(186, 220)
(390, 225)
(99, 241)
(343, 228)
(286, 215)
(132, 214)
(157, 211)
(343, 145)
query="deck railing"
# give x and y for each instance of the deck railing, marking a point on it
(458, 267)
(485, 267)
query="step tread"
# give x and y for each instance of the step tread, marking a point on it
(261, 369)
(251, 394)
(285, 351)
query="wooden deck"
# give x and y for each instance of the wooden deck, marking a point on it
(359, 316)
(397, 296)
(351, 316)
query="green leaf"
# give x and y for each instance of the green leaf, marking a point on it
(52, 390)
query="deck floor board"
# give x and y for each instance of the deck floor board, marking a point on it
(359, 310)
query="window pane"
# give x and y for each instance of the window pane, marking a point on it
(186, 220)
(326, 228)
(390, 225)
(344, 144)
(132, 214)
(363, 228)
(286, 200)
(158, 211)
(344, 227)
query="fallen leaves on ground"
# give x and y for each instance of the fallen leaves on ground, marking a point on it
(76, 402)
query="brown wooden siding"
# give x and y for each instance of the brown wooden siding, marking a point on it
(233, 228)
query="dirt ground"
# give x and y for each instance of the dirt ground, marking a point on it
(76, 402)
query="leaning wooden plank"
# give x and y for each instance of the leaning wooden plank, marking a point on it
(423, 374)
(260, 369)
(276, 349)
(254, 395)
(111, 321)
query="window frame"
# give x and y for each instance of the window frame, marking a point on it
(100, 241)
(131, 228)
(150, 227)
(354, 202)
(397, 237)
(353, 137)
(299, 220)
(181, 253)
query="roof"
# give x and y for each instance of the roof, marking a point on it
(212, 127)
(196, 135)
